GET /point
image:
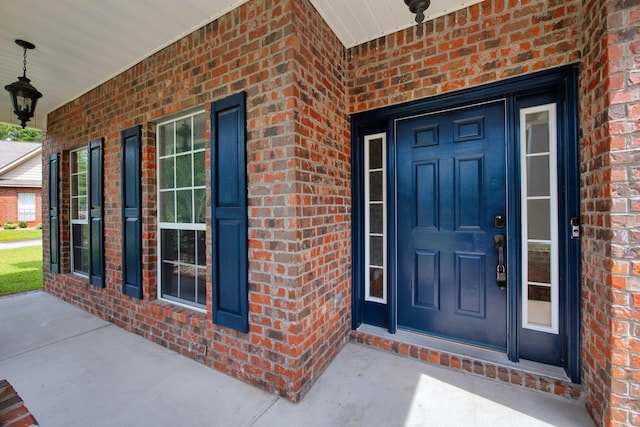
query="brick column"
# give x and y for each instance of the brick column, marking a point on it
(610, 158)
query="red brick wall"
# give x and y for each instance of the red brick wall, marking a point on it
(283, 54)
(486, 42)
(9, 205)
(610, 95)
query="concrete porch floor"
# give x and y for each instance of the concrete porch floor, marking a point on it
(74, 369)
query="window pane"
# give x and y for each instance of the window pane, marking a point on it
(376, 219)
(166, 173)
(169, 245)
(183, 136)
(188, 282)
(539, 305)
(74, 162)
(539, 263)
(202, 286)
(183, 200)
(74, 208)
(376, 250)
(81, 157)
(376, 282)
(200, 206)
(74, 185)
(539, 225)
(202, 247)
(82, 207)
(165, 140)
(198, 131)
(375, 153)
(375, 186)
(85, 247)
(538, 176)
(82, 184)
(80, 243)
(170, 274)
(183, 171)
(199, 172)
(538, 132)
(167, 206)
(188, 246)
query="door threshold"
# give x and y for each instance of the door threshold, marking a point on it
(471, 359)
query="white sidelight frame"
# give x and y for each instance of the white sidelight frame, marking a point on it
(368, 203)
(552, 197)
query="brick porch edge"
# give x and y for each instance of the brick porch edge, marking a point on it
(13, 412)
(517, 377)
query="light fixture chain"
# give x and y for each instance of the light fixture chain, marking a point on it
(24, 63)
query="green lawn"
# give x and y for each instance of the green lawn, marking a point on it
(20, 270)
(20, 234)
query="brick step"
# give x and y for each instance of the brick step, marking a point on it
(469, 359)
(13, 412)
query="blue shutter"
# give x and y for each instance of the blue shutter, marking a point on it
(131, 213)
(229, 213)
(96, 238)
(54, 224)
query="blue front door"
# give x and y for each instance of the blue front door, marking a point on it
(451, 205)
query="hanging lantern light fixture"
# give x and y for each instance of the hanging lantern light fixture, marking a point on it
(418, 7)
(24, 96)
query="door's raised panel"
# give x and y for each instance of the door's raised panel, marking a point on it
(469, 183)
(469, 129)
(427, 280)
(426, 186)
(470, 283)
(426, 136)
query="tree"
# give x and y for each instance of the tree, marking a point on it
(15, 133)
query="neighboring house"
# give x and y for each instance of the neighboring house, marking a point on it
(463, 192)
(21, 182)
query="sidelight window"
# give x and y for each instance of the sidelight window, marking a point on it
(375, 219)
(540, 251)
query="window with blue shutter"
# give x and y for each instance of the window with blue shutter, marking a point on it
(229, 212)
(54, 224)
(131, 213)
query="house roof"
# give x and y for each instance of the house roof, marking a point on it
(13, 151)
(13, 155)
(81, 44)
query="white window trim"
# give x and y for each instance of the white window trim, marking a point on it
(174, 225)
(554, 241)
(367, 219)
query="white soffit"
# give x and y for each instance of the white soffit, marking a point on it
(83, 43)
(359, 21)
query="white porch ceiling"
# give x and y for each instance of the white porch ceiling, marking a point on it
(82, 43)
